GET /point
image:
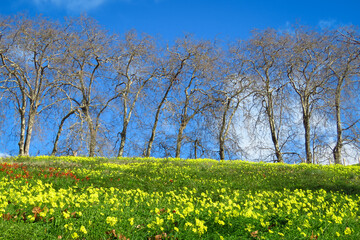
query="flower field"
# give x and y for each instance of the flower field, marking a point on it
(135, 198)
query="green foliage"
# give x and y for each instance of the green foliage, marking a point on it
(136, 198)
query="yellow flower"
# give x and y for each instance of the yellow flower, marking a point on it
(51, 211)
(31, 218)
(159, 221)
(66, 215)
(188, 224)
(111, 221)
(83, 230)
(337, 234)
(68, 226)
(221, 222)
(202, 228)
(249, 227)
(347, 231)
(74, 235)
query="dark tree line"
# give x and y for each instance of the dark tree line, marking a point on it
(279, 96)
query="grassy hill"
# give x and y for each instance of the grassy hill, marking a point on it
(137, 198)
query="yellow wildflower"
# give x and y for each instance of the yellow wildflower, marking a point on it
(347, 231)
(74, 235)
(111, 221)
(83, 230)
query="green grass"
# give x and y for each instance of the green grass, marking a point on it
(136, 198)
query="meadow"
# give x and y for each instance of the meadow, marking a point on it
(147, 198)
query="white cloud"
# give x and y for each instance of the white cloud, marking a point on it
(72, 5)
(4, 155)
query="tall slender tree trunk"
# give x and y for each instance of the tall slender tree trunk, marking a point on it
(184, 121)
(92, 143)
(123, 139)
(306, 123)
(196, 142)
(93, 132)
(157, 115)
(222, 131)
(22, 133)
(127, 114)
(339, 140)
(54, 151)
(158, 110)
(221, 148)
(179, 138)
(225, 125)
(275, 140)
(29, 131)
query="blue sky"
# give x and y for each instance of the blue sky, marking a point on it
(208, 19)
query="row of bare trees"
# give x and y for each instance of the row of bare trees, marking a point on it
(280, 95)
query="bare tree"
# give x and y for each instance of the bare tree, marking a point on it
(266, 59)
(4, 30)
(192, 90)
(85, 75)
(343, 64)
(60, 128)
(29, 50)
(171, 69)
(229, 91)
(136, 65)
(308, 76)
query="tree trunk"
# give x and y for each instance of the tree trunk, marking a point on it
(195, 148)
(221, 148)
(54, 151)
(92, 144)
(339, 140)
(92, 130)
(152, 137)
(306, 123)
(275, 141)
(183, 123)
(22, 133)
(153, 130)
(29, 130)
(270, 114)
(158, 110)
(179, 138)
(123, 139)
(222, 131)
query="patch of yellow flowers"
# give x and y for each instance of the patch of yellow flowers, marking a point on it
(192, 211)
(182, 210)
